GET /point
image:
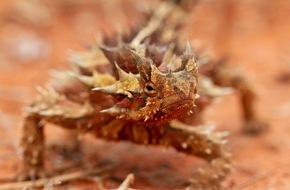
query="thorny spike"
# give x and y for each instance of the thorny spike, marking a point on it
(108, 89)
(146, 118)
(51, 112)
(187, 60)
(104, 48)
(155, 69)
(41, 90)
(57, 74)
(163, 67)
(188, 54)
(136, 57)
(76, 60)
(126, 183)
(53, 92)
(122, 74)
(112, 110)
(46, 92)
(171, 63)
(86, 80)
(97, 79)
(86, 60)
(126, 84)
(139, 59)
(89, 81)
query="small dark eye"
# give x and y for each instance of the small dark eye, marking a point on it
(149, 89)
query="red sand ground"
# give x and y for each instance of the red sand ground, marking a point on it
(255, 35)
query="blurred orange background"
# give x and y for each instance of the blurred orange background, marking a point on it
(35, 37)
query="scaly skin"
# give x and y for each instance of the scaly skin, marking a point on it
(145, 108)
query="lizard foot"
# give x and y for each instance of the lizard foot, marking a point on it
(30, 173)
(255, 127)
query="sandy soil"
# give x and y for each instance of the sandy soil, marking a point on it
(255, 35)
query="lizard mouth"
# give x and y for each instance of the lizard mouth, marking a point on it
(178, 108)
(172, 111)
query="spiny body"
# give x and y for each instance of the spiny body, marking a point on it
(129, 92)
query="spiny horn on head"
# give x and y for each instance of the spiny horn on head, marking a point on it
(188, 53)
(138, 58)
(122, 74)
(188, 68)
(143, 65)
(171, 65)
(109, 52)
(188, 62)
(186, 56)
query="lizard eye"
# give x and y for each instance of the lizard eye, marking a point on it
(149, 89)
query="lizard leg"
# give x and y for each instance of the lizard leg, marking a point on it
(252, 125)
(32, 143)
(201, 142)
(225, 76)
(47, 108)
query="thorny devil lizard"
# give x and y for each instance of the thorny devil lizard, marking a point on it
(139, 88)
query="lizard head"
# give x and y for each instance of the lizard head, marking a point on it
(152, 95)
